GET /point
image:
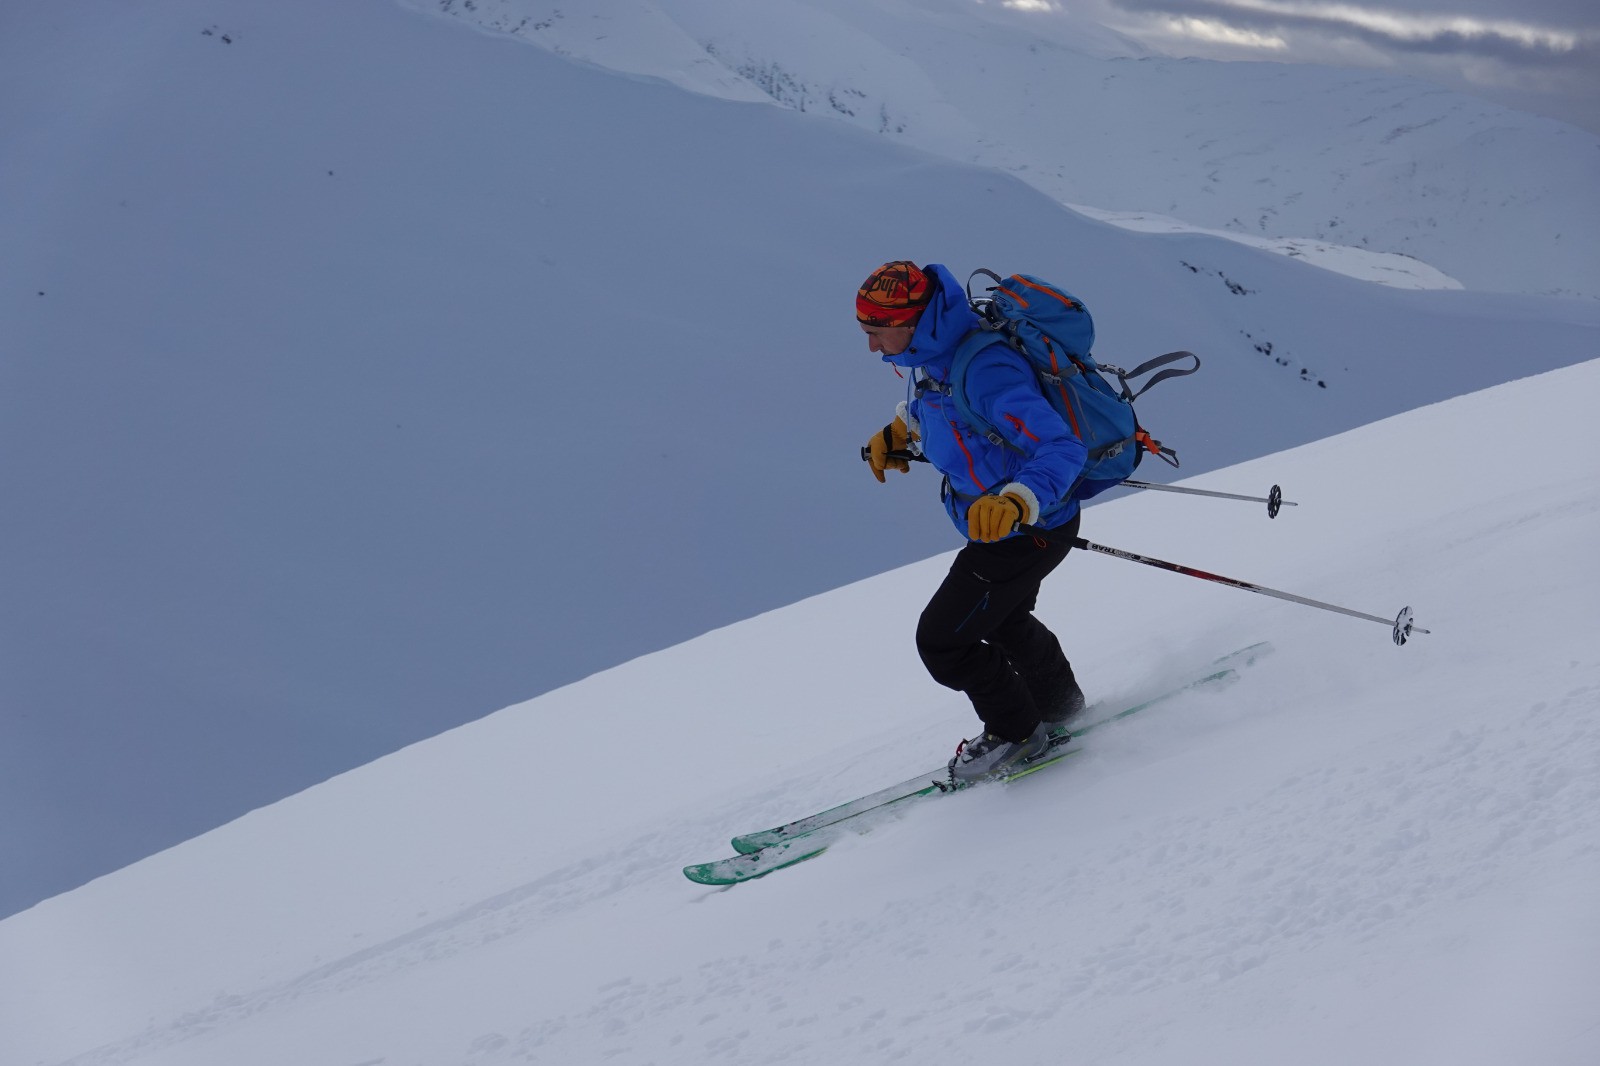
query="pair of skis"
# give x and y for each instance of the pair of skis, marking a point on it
(766, 850)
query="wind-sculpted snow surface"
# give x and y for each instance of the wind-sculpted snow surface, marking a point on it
(1497, 199)
(1355, 853)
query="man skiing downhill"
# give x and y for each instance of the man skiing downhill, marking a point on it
(978, 633)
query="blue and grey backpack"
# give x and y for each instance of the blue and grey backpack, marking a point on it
(1054, 332)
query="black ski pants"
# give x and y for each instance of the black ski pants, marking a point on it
(978, 634)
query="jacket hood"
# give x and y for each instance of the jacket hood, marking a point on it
(939, 331)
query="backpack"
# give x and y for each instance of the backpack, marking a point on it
(1054, 332)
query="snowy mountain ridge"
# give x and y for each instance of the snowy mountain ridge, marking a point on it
(1357, 852)
(1497, 199)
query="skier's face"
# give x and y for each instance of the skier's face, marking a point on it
(889, 340)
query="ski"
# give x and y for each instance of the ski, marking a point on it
(796, 846)
(925, 784)
(766, 850)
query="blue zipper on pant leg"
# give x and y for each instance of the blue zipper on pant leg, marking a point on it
(983, 605)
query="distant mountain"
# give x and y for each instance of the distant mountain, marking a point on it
(1498, 199)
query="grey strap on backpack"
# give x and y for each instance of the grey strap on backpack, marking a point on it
(1125, 376)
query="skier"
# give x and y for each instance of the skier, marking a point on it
(978, 633)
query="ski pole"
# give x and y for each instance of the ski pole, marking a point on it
(1401, 625)
(1273, 499)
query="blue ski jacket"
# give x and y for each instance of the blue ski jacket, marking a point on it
(1002, 388)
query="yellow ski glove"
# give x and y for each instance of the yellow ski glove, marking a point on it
(892, 438)
(992, 518)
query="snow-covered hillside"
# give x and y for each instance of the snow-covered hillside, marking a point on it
(1494, 198)
(364, 373)
(1356, 853)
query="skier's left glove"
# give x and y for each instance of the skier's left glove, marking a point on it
(992, 518)
(895, 437)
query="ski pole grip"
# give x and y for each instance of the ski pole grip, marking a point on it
(1053, 535)
(910, 457)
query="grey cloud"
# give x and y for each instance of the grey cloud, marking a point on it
(1510, 50)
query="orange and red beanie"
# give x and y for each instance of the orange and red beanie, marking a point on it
(893, 295)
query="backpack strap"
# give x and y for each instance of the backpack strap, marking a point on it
(982, 337)
(1125, 376)
(1143, 439)
(956, 387)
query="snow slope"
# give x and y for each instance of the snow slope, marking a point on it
(1356, 853)
(1494, 198)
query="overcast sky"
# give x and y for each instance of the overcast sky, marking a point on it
(1536, 55)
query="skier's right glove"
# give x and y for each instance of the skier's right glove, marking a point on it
(992, 518)
(893, 438)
